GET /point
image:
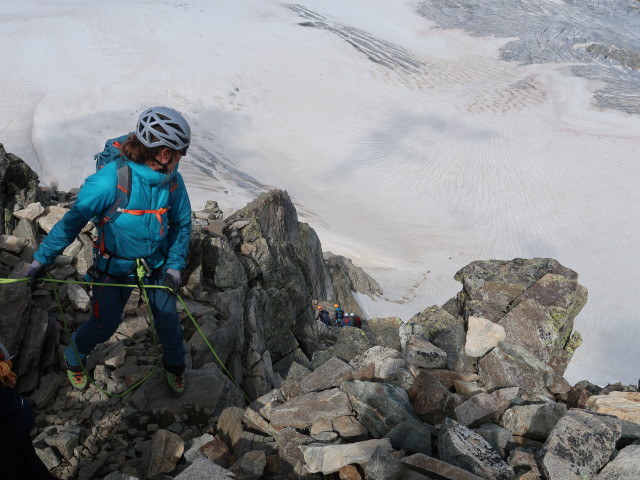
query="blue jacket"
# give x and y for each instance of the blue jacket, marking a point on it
(156, 237)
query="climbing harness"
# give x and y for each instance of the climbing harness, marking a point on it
(141, 273)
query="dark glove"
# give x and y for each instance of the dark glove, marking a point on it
(34, 271)
(173, 280)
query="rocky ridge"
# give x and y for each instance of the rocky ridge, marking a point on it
(470, 389)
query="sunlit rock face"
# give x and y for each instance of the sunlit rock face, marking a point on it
(603, 37)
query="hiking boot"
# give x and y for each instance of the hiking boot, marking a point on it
(77, 377)
(175, 383)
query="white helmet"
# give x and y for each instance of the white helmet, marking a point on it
(163, 126)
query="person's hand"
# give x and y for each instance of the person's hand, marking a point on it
(34, 272)
(173, 280)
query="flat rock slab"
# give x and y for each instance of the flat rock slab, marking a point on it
(624, 405)
(208, 388)
(429, 465)
(328, 375)
(331, 458)
(301, 412)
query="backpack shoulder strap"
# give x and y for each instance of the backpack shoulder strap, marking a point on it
(123, 191)
(173, 189)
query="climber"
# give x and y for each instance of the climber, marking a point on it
(357, 321)
(338, 314)
(152, 231)
(346, 321)
(18, 458)
(323, 315)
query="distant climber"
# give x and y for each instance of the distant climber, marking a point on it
(18, 458)
(346, 321)
(338, 315)
(323, 316)
(357, 321)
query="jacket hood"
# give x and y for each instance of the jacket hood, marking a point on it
(150, 176)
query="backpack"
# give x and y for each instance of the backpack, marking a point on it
(111, 153)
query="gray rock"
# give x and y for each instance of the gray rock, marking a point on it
(32, 345)
(306, 409)
(383, 466)
(65, 442)
(230, 429)
(203, 468)
(12, 243)
(384, 332)
(292, 458)
(327, 375)
(625, 466)
(431, 399)
(48, 457)
(386, 361)
(89, 471)
(541, 319)
(251, 465)
(193, 448)
(351, 343)
(411, 435)
(16, 295)
(163, 453)
(78, 297)
(424, 354)
(51, 215)
(533, 421)
(327, 459)
(512, 366)
(477, 409)
(349, 428)
(380, 406)
(498, 437)
(459, 446)
(482, 336)
(579, 445)
(204, 388)
(119, 476)
(31, 212)
(27, 230)
(432, 466)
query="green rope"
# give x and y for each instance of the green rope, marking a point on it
(140, 272)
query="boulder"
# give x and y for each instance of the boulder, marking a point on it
(459, 446)
(430, 399)
(327, 459)
(302, 411)
(328, 375)
(424, 354)
(379, 406)
(624, 405)
(203, 468)
(411, 435)
(579, 445)
(386, 361)
(626, 465)
(512, 366)
(482, 336)
(533, 421)
(163, 453)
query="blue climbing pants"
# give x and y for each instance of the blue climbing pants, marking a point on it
(107, 305)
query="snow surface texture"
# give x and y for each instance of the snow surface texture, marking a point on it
(414, 137)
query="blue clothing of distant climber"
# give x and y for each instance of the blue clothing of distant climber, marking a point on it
(338, 315)
(154, 228)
